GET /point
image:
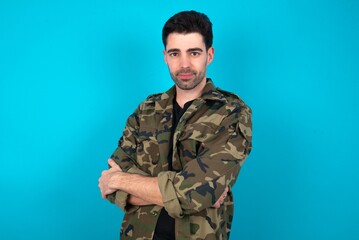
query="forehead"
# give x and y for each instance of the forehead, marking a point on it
(185, 41)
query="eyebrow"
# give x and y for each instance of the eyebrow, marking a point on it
(195, 50)
(188, 50)
(173, 50)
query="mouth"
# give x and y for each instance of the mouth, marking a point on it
(185, 76)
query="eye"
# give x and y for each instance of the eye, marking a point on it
(173, 54)
(195, 54)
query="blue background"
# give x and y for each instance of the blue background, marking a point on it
(72, 71)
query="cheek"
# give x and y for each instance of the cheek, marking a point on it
(171, 66)
(201, 65)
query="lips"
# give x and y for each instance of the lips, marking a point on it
(185, 75)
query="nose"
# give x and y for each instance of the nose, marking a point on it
(185, 61)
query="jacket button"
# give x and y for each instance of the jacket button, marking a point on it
(154, 213)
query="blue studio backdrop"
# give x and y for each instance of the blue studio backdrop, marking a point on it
(72, 71)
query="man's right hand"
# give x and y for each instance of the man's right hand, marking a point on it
(221, 199)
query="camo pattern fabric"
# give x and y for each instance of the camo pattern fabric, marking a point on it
(210, 144)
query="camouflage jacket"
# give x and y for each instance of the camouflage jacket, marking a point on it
(210, 144)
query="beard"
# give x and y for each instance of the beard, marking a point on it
(187, 84)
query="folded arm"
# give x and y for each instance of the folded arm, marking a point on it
(143, 190)
(203, 180)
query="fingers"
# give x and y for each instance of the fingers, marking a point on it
(103, 182)
(112, 163)
(217, 205)
(106, 176)
(224, 194)
(103, 188)
(221, 199)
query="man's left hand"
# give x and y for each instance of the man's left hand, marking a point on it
(107, 181)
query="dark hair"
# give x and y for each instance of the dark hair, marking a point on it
(189, 22)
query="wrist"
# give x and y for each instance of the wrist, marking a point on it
(116, 181)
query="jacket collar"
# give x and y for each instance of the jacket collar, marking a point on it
(210, 92)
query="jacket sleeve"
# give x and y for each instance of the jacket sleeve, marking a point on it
(125, 157)
(217, 164)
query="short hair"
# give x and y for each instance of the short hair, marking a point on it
(189, 22)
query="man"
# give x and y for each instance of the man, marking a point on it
(181, 151)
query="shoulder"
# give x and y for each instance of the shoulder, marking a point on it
(239, 113)
(154, 97)
(150, 102)
(234, 101)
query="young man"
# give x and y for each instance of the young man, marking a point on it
(181, 151)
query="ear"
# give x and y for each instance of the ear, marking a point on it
(165, 56)
(210, 55)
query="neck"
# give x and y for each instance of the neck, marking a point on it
(183, 96)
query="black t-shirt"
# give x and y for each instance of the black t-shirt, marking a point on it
(165, 228)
